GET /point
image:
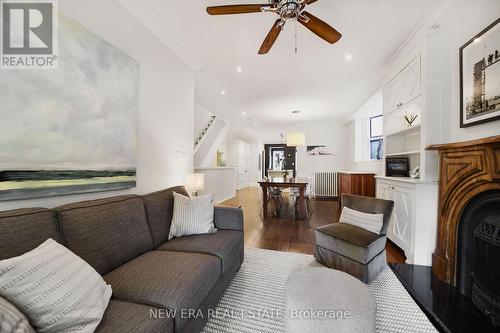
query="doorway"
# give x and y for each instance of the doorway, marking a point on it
(279, 157)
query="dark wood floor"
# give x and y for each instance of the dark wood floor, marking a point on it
(285, 233)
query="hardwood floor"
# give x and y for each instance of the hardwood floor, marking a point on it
(284, 233)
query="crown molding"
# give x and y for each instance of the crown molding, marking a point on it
(152, 20)
(431, 21)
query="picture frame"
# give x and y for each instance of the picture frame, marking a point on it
(320, 150)
(479, 60)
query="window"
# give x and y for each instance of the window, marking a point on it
(376, 141)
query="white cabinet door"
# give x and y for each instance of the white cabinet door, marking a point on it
(403, 216)
(243, 164)
(393, 95)
(402, 219)
(385, 192)
(410, 81)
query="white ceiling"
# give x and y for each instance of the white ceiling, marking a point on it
(318, 80)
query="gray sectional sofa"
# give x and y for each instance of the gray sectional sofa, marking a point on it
(125, 239)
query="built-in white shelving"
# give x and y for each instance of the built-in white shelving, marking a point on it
(406, 131)
(413, 219)
(412, 152)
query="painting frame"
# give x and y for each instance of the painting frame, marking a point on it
(320, 150)
(61, 141)
(464, 121)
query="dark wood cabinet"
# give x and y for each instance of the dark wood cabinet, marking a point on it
(357, 183)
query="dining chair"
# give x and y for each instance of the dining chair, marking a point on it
(275, 199)
(295, 194)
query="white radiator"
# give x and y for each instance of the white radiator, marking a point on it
(325, 184)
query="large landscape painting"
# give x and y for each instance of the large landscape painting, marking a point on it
(72, 129)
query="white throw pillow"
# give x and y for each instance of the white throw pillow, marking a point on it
(192, 216)
(370, 222)
(55, 289)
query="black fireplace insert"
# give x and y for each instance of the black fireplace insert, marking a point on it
(478, 254)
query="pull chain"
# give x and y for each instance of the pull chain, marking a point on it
(296, 47)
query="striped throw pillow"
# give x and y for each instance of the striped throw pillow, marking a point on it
(55, 289)
(12, 320)
(370, 222)
(192, 216)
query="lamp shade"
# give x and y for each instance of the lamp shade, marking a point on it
(295, 139)
(196, 182)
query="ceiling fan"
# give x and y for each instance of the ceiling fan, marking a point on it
(287, 10)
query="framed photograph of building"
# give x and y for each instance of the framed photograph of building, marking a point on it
(480, 77)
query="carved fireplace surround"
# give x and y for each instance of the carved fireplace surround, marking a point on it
(467, 169)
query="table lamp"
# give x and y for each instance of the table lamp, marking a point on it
(195, 183)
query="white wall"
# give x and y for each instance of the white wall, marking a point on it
(219, 181)
(440, 40)
(166, 101)
(461, 23)
(377, 167)
(328, 132)
(358, 146)
(254, 174)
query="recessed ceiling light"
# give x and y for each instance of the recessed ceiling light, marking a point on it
(348, 57)
(223, 92)
(239, 69)
(243, 113)
(296, 112)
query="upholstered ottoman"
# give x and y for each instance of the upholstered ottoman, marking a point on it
(352, 249)
(323, 300)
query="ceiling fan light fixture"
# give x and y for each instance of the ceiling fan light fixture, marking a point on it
(289, 9)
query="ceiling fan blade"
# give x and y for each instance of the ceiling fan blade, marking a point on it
(236, 9)
(319, 27)
(271, 37)
(308, 2)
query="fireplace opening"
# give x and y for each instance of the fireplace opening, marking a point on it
(478, 254)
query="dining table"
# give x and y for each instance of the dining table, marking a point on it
(281, 182)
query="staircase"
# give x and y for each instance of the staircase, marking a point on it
(208, 139)
(204, 130)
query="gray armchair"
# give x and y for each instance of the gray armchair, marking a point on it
(351, 249)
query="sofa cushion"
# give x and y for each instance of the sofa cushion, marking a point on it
(127, 317)
(192, 216)
(353, 242)
(371, 206)
(159, 210)
(106, 233)
(22, 230)
(370, 222)
(229, 218)
(55, 289)
(225, 244)
(172, 280)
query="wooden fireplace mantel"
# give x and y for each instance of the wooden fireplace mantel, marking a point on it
(466, 170)
(443, 146)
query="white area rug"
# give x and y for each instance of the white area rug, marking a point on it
(255, 299)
